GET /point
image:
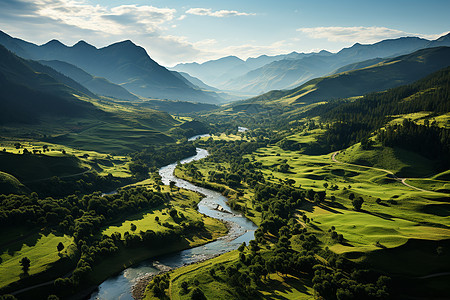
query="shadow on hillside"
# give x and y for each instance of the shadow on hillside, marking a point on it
(284, 287)
(377, 214)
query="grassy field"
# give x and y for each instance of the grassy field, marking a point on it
(39, 248)
(276, 286)
(403, 214)
(55, 163)
(184, 202)
(401, 162)
(420, 118)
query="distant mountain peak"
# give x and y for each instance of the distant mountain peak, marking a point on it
(444, 37)
(83, 44)
(54, 43)
(125, 43)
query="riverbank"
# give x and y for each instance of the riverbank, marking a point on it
(240, 230)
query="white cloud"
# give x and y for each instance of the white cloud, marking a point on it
(115, 20)
(357, 34)
(218, 13)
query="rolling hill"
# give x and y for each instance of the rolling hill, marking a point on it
(122, 63)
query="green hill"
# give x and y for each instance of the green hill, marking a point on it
(381, 76)
(10, 185)
(29, 167)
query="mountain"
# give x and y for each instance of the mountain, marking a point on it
(442, 41)
(26, 94)
(98, 85)
(196, 82)
(35, 104)
(381, 76)
(286, 74)
(218, 72)
(122, 63)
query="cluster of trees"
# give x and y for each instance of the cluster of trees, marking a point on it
(154, 157)
(241, 170)
(354, 121)
(86, 183)
(79, 216)
(82, 217)
(428, 140)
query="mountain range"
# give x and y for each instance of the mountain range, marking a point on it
(122, 63)
(218, 72)
(369, 76)
(287, 72)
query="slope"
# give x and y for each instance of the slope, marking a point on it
(387, 74)
(98, 85)
(122, 63)
(272, 76)
(35, 105)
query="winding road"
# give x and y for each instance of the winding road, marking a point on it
(393, 176)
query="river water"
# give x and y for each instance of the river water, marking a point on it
(241, 230)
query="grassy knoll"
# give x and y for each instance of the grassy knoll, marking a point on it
(215, 287)
(10, 185)
(55, 163)
(39, 248)
(401, 162)
(184, 202)
(420, 118)
(365, 232)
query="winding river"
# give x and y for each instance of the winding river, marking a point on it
(241, 230)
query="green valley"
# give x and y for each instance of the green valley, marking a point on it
(121, 178)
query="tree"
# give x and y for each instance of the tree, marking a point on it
(60, 247)
(133, 227)
(325, 185)
(25, 263)
(172, 184)
(197, 294)
(357, 203)
(351, 196)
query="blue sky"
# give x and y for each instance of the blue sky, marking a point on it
(175, 31)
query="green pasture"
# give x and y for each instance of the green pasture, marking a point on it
(39, 248)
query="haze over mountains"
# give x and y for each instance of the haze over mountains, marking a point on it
(122, 63)
(372, 76)
(125, 71)
(286, 72)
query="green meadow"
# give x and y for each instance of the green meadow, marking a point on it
(39, 248)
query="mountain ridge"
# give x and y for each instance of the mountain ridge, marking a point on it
(122, 63)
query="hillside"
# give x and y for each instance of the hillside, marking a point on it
(381, 76)
(36, 105)
(97, 85)
(122, 63)
(27, 95)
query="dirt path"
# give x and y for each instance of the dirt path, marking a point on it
(401, 180)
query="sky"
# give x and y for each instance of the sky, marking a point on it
(175, 31)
